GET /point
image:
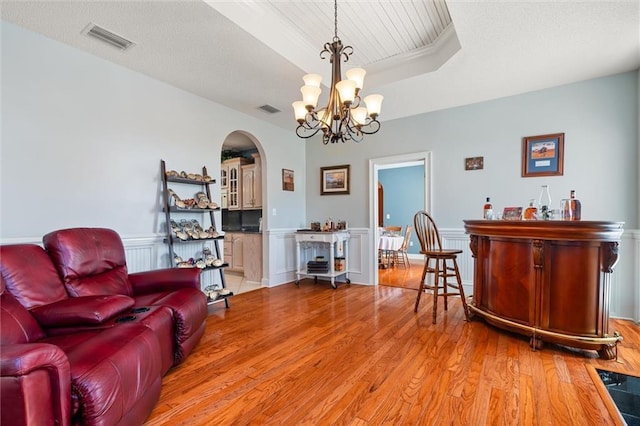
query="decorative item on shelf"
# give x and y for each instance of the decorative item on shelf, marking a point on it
(512, 213)
(189, 176)
(565, 209)
(343, 118)
(487, 210)
(576, 206)
(531, 212)
(545, 203)
(315, 226)
(214, 293)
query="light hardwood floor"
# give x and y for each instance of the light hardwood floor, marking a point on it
(359, 355)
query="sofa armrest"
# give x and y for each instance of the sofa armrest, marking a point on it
(82, 311)
(164, 280)
(35, 384)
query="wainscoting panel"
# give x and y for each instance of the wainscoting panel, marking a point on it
(150, 252)
(457, 239)
(282, 252)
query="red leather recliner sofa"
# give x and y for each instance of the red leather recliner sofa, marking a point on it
(83, 342)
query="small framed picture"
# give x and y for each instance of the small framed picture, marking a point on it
(334, 180)
(512, 213)
(474, 163)
(543, 155)
(287, 180)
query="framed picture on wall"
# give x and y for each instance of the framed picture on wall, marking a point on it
(543, 155)
(287, 180)
(474, 163)
(334, 180)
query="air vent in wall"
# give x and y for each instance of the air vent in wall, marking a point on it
(268, 108)
(107, 36)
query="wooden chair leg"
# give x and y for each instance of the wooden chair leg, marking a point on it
(461, 290)
(421, 287)
(436, 285)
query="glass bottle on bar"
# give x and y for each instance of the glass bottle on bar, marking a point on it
(487, 210)
(545, 203)
(531, 210)
(576, 206)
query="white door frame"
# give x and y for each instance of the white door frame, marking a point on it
(376, 164)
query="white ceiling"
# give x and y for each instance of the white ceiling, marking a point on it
(492, 49)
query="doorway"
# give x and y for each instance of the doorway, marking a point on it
(423, 187)
(243, 199)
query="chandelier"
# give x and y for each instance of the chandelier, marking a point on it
(343, 118)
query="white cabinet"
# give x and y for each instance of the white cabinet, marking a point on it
(224, 176)
(252, 256)
(338, 242)
(243, 253)
(234, 182)
(252, 186)
(234, 251)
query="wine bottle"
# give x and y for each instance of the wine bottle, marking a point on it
(576, 206)
(487, 211)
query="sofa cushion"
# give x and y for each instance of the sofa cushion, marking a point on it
(30, 275)
(189, 307)
(91, 261)
(87, 310)
(112, 370)
(16, 323)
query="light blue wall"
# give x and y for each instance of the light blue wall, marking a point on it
(599, 118)
(403, 197)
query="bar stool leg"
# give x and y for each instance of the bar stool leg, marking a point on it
(436, 279)
(461, 289)
(422, 286)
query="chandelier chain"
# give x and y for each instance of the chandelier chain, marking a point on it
(335, 20)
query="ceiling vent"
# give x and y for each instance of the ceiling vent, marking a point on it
(269, 109)
(107, 36)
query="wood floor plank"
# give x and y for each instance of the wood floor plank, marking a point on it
(359, 355)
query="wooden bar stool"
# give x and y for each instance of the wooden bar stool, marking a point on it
(446, 265)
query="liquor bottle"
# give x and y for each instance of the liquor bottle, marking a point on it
(545, 203)
(531, 211)
(487, 211)
(576, 206)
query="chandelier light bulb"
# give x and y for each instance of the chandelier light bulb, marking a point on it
(374, 104)
(312, 80)
(310, 95)
(359, 115)
(356, 75)
(347, 91)
(299, 110)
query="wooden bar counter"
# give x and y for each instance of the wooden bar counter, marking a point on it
(549, 280)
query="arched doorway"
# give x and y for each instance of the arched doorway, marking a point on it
(243, 200)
